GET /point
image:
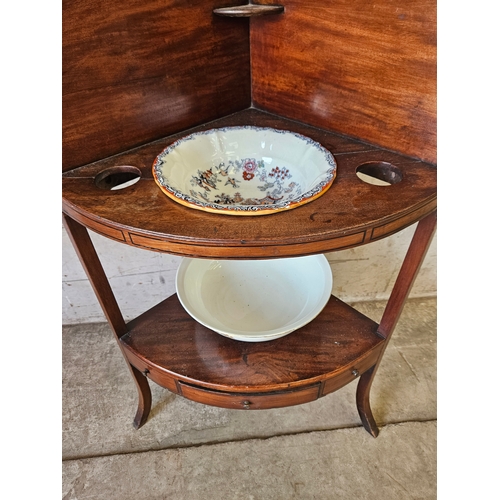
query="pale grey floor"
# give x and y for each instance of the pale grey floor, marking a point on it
(189, 451)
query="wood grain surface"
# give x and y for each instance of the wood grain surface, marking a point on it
(367, 69)
(138, 70)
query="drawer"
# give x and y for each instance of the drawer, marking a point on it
(250, 401)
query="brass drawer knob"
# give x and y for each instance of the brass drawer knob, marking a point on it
(246, 404)
(355, 372)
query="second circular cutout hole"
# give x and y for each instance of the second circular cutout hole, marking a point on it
(379, 173)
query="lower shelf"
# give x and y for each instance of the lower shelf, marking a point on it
(187, 358)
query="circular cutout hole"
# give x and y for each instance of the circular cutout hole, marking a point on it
(120, 177)
(379, 173)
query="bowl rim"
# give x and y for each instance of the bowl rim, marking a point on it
(245, 210)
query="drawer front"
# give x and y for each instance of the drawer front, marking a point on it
(250, 401)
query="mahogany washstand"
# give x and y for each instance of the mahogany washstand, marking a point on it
(139, 75)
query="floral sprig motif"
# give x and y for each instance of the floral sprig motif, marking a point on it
(249, 167)
(280, 173)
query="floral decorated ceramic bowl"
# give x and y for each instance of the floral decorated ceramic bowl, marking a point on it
(244, 170)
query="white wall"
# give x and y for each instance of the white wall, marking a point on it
(141, 279)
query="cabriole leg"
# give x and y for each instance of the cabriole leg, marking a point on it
(144, 391)
(363, 402)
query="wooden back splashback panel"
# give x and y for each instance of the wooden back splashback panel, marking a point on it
(361, 68)
(138, 70)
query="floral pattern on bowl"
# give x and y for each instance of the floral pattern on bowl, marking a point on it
(244, 170)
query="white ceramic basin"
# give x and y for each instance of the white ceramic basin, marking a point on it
(244, 170)
(254, 301)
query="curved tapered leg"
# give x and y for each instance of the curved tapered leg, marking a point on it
(363, 401)
(144, 391)
(92, 265)
(407, 274)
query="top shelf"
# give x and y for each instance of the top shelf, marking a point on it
(351, 213)
(249, 10)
